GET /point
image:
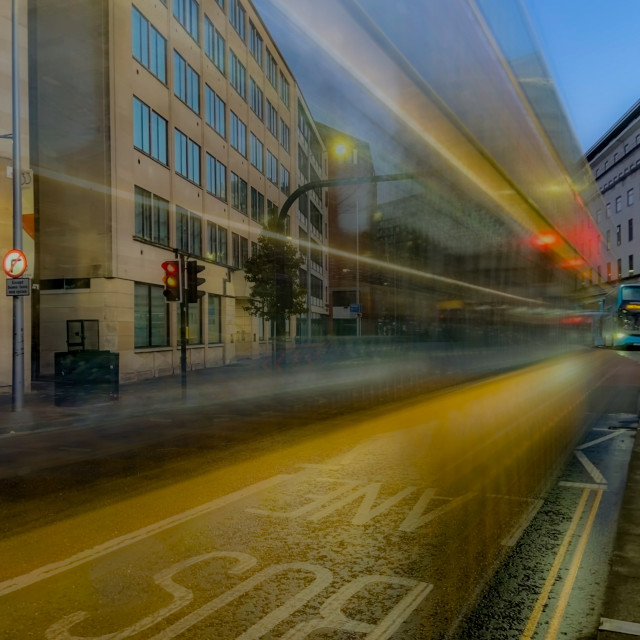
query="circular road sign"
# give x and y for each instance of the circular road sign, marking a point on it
(14, 263)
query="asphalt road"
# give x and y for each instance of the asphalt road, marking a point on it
(383, 524)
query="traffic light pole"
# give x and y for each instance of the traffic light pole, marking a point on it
(183, 328)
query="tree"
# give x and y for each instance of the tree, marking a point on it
(273, 272)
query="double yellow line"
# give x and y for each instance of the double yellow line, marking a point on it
(558, 614)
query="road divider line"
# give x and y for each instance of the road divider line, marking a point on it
(54, 568)
(554, 625)
(591, 468)
(555, 568)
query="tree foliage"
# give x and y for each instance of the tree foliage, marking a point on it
(273, 272)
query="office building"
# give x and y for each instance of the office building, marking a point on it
(161, 127)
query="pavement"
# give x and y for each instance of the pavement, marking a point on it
(69, 430)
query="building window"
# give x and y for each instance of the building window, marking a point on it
(257, 153)
(149, 132)
(215, 111)
(214, 319)
(150, 316)
(237, 16)
(188, 231)
(256, 98)
(238, 193)
(237, 75)
(214, 44)
(149, 47)
(186, 12)
(216, 243)
(186, 83)
(630, 229)
(631, 264)
(238, 134)
(629, 197)
(285, 181)
(284, 90)
(618, 235)
(608, 209)
(216, 177)
(151, 216)
(618, 204)
(272, 168)
(619, 268)
(220, 3)
(255, 43)
(240, 250)
(271, 70)
(284, 135)
(257, 206)
(615, 157)
(187, 157)
(272, 120)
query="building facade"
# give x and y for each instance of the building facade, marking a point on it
(615, 163)
(165, 127)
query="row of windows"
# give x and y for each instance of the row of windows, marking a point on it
(626, 149)
(151, 318)
(152, 222)
(149, 48)
(619, 234)
(186, 12)
(150, 136)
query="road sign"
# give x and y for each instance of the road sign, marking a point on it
(355, 308)
(14, 263)
(18, 286)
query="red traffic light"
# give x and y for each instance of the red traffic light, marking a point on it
(171, 279)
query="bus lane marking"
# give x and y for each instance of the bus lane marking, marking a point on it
(54, 568)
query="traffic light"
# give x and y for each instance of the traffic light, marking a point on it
(172, 289)
(193, 282)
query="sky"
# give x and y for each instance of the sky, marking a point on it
(592, 50)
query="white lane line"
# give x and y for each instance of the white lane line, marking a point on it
(612, 434)
(619, 626)
(14, 584)
(591, 468)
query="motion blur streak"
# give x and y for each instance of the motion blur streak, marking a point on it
(486, 131)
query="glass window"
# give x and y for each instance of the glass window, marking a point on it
(284, 135)
(149, 132)
(214, 318)
(237, 16)
(257, 153)
(237, 75)
(630, 229)
(255, 43)
(214, 44)
(215, 111)
(238, 193)
(151, 216)
(618, 204)
(186, 83)
(272, 119)
(149, 46)
(188, 231)
(216, 243)
(631, 264)
(257, 206)
(284, 89)
(618, 235)
(216, 177)
(272, 168)
(237, 134)
(186, 12)
(630, 197)
(271, 70)
(256, 98)
(151, 316)
(187, 157)
(285, 181)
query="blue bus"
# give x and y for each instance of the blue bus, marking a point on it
(621, 317)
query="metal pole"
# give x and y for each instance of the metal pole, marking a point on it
(183, 328)
(359, 318)
(17, 382)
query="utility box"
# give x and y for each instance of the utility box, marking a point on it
(86, 377)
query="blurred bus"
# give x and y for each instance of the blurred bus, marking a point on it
(621, 317)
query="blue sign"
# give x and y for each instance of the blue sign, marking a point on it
(355, 308)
